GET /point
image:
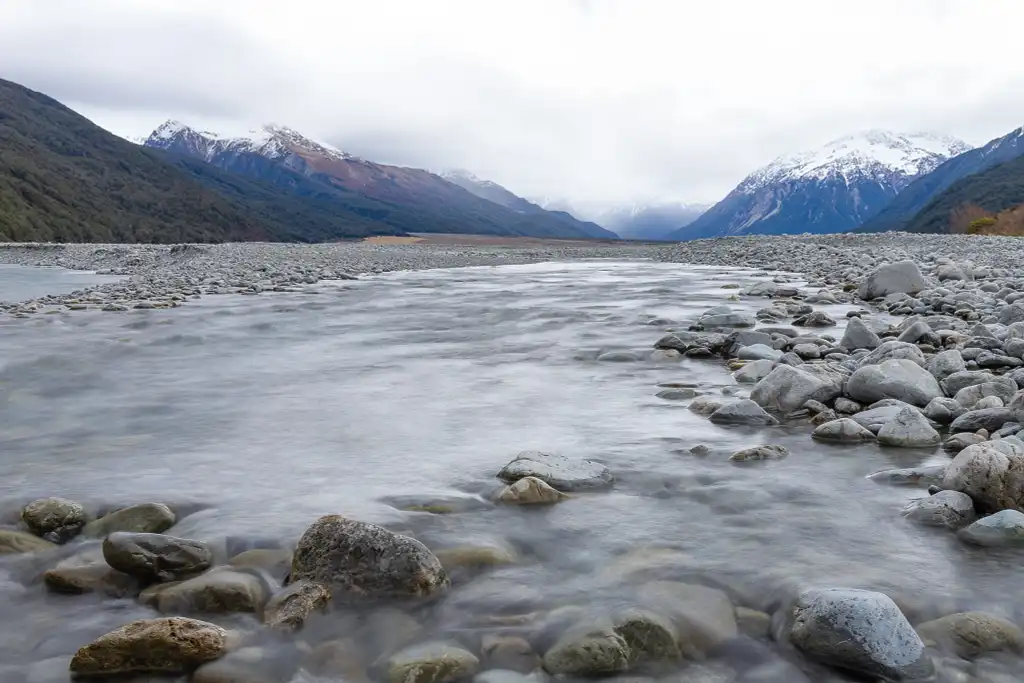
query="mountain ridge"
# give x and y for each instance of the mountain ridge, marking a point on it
(829, 189)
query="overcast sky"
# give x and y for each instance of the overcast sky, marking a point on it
(588, 99)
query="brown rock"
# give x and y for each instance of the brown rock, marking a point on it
(88, 572)
(217, 591)
(173, 646)
(12, 542)
(531, 491)
(972, 634)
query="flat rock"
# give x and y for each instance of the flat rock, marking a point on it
(359, 561)
(151, 646)
(925, 476)
(12, 542)
(1004, 528)
(949, 509)
(745, 412)
(843, 430)
(859, 630)
(88, 572)
(558, 471)
(156, 557)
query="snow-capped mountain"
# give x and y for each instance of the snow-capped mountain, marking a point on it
(830, 189)
(408, 199)
(632, 220)
(923, 190)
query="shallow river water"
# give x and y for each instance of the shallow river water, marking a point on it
(252, 416)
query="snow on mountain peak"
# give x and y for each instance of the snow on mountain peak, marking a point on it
(880, 154)
(270, 140)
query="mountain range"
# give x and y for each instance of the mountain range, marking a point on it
(62, 178)
(834, 188)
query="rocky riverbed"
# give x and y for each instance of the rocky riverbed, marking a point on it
(793, 459)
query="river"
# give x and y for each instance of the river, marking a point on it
(257, 414)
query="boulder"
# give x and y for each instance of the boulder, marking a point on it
(290, 608)
(949, 509)
(12, 542)
(909, 429)
(958, 381)
(218, 591)
(151, 646)
(991, 473)
(564, 474)
(814, 319)
(902, 277)
(859, 336)
(876, 416)
(758, 352)
(357, 561)
(55, 519)
(727, 319)
(588, 650)
(962, 440)
(676, 394)
(705, 405)
(989, 419)
(943, 410)
(530, 491)
(147, 518)
(968, 397)
(649, 637)
(893, 350)
(946, 363)
(859, 630)
(972, 634)
(763, 452)
(788, 388)
(156, 557)
(843, 430)
(1004, 528)
(753, 372)
(745, 412)
(901, 379)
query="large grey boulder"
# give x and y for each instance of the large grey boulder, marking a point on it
(968, 397)
(909, 429)
(943, 410)
(873, 419)
(903, 380)
(859, 630)
(991, 473)
(893, 350)
(788, 388)
(744, 412)
(902, 277)
(54, 519)
(360, 561)
(843, 430)
(959, 381)
(984, 418)
(1004, 528)
(946, 363)
(564, 474)
(151, 646)
(949, 509)
(859, 336)
(156, 557)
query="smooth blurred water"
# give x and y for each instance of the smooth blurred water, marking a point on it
(268, 411)
(20, 283)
